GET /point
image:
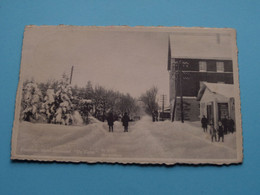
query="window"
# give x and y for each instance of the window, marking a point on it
(220, 66)
(203, 66)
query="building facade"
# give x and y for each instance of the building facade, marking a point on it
(192, 60)
(217, 101)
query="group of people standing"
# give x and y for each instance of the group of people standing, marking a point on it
(125, 121)
(224, 127)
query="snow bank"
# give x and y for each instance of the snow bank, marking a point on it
(93, 120)
(77, 119)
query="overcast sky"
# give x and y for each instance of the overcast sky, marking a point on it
(130, 62)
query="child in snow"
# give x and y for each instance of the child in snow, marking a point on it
(220, 131)
(213, 132)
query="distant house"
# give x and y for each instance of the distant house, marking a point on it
(194, 58)
(165, 115)
(216, 101)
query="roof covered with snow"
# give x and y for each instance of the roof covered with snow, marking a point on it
(226, 90)
(201, 45)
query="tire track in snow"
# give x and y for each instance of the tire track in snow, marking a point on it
(144, 126)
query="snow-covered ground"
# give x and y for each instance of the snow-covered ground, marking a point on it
(145, 139)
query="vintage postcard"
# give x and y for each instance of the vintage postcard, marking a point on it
(118, 94)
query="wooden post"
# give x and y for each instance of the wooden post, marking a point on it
(181, 97)
(71, 73)
(174, 108)
(176, 83)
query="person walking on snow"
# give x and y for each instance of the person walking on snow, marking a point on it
(125, 121)
(110, 121)
(204, 123)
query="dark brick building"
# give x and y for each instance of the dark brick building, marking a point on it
(193, 59)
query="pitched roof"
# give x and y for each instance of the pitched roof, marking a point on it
(226, 90)
(201, 45)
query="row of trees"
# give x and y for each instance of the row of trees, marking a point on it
(58, 102)
(106, 100)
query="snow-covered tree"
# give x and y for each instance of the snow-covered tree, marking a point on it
(31, 101)
(126, 103)
(48, 106)
(63, 107)
(57, 106)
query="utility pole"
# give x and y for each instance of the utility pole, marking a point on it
(163, 102)
(163, 99)
(174, 107)
(71, 73)
(178, 89)
(181, 96)
(176, 83)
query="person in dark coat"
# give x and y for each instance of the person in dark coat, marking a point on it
(156, 115)
(220, 131)
(204, 123)
(110, 122)
(224, 123)
(125, 120)
(153, 116)
(230, 125)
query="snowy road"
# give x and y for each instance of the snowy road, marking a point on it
(145, 139)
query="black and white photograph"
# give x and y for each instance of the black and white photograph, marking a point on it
(118, 94)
